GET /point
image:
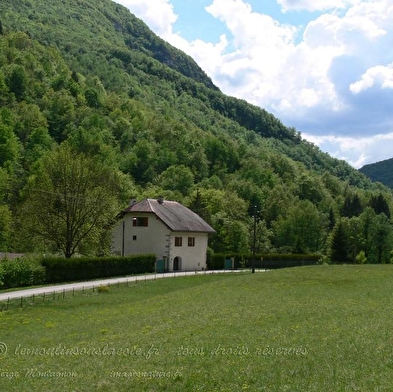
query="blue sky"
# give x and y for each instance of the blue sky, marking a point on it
(194, 22)
(324, 67)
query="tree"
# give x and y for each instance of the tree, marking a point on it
(278, 201)
(352, 206)
(263, 235)
(198, 205)
(9, 146)
(304, 229)
(310, 188)
(355, 236)
(59, 108)
(5, 227)
(339, 243)
(29, 119)
(92, 98)
(4, 91)
(144, 162)
(361, 257)
(381, 239)
(237, 237)
(71, 201)
(38, 144)
(5, 213)
(367, 218)
(380, 205)
(177, 178)
(332, 219)
(224, 208)
(17, 81)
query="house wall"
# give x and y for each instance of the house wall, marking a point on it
(151, 239)
(158, 239)
(192, 257)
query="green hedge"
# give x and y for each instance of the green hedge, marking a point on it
(84, 268)
(23, 271)
(265, 261)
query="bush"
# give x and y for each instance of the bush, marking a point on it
(103, 289)
(84, 268)
(361, 257)
(23, 271)
(265, 261)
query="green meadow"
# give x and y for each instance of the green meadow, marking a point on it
(320, 328)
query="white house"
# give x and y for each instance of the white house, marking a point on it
(176, 235)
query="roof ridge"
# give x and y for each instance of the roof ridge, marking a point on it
(151, 205)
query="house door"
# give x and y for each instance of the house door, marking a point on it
(177, 263)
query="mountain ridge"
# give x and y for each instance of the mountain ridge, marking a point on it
(91, 75)
(134, 33)
(381, 171)
(133, 45)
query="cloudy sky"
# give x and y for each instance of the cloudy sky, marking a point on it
(324, 67)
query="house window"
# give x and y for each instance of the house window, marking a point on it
(140, 221)
(178, 241)
(134, 237)
(191, 241)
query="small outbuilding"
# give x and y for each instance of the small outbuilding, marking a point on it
(175, 234)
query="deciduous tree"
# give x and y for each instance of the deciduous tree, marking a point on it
(71, 200)
(304, 229)
(5, 227)
(177, 178)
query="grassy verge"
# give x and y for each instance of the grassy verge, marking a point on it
(300, 329)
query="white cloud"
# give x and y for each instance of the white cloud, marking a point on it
(325, 82)
(259, 61)
(158, 14)
(356, 151)
(378, 74)
(268, 68)
(313, 5)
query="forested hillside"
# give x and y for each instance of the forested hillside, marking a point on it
(87, 77)
(380, 171)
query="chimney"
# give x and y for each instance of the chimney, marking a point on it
(160, 200)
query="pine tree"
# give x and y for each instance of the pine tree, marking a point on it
(380, 205)
(339, 244)
(332, 219)
(199, 206)
(352, 206)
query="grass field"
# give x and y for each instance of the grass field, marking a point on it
(324, 328)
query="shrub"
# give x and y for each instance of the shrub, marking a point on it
(23, 271)
(84, 268)
(266, 261)
(361, 258)
(103, 289)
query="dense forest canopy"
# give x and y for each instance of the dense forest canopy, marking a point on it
(90, 78)
(380, 171)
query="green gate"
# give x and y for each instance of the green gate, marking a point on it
(229, 264)
(160, 266)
